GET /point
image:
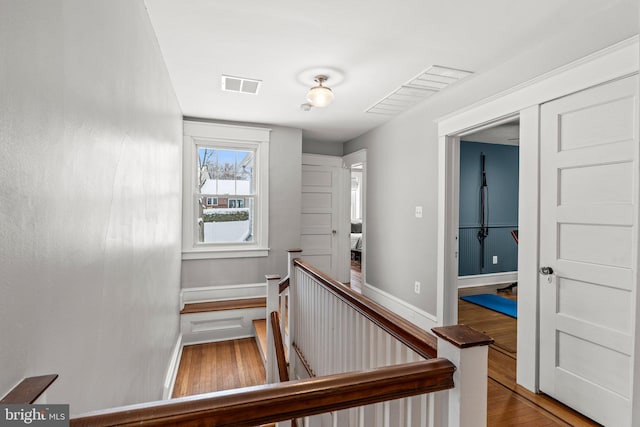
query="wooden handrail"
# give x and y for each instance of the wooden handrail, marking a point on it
(283, 371)
(271, 403)
(29, 389)
(277, 340)
(406, 332)
(283, 285)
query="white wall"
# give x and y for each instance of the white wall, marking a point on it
(285, 175)
(402, 249)
(90, 205)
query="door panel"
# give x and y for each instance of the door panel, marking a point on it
(588, 211)
(320, 217)
(587, 301)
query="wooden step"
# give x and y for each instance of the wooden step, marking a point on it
(236, 304)
(260, 325)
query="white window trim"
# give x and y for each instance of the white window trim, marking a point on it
(237, 137)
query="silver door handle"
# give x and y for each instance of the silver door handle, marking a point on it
(546, 271)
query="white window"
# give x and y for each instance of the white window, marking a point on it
(236, 203)
(225, 186)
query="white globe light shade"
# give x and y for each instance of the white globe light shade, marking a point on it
(320, 96)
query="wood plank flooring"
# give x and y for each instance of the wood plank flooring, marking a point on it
(509, 404)
(497, 325)
(219, 366)
(355, 282)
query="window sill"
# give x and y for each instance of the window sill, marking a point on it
(225, 253)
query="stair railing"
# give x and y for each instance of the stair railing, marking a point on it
(334, 330)
(28, 390)
(282, 402)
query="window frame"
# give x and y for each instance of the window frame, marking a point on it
(224, 137)
(214, 200)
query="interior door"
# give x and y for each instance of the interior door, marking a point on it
(320, 215)
(588, 218)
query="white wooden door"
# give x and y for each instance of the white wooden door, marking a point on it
(588, 218)
(320, 213)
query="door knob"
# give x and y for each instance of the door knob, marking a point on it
(546, 270)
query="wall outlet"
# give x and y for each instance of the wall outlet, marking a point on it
(418, 211)
(416, 287)
(495, 259)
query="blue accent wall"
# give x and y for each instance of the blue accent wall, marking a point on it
(502, 172)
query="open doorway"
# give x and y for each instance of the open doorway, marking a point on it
(356, 233)
(488, 202)
(355, 164)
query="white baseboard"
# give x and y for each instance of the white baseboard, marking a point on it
(174, 363)
(221, 293)
(402, 308)
(487, 279)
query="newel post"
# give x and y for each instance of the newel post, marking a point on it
(273, 297)
(468, 349)
(293, 289)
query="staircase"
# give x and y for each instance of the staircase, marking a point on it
(223, 320)
(237, 304)
(206, 318)
(260, 328)
(354, 361)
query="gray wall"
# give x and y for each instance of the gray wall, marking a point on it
(285, 192)
(319, 147)
(402, 249)
(502, 175)
(90, 204)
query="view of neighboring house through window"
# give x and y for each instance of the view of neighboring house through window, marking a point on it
(225, 205)
(225, 201)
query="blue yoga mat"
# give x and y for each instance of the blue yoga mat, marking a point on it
(495, 302)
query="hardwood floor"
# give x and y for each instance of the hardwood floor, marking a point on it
(509, 404)
(356, 276)
(498, 326)
(219, 366)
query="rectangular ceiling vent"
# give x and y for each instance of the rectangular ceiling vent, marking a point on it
(427, 83)
(240, 85)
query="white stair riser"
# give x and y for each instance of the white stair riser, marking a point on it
(221, 325)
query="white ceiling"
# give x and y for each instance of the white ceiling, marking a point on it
(369, 48)
(504, 134)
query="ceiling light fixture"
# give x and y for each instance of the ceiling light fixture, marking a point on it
(320, 96)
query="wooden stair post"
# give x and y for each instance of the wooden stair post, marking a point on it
(468, 349)
(273, 297)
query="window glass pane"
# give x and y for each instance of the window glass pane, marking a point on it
(230, 221)
(224, 171)
(207, 165)
(246, 172)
